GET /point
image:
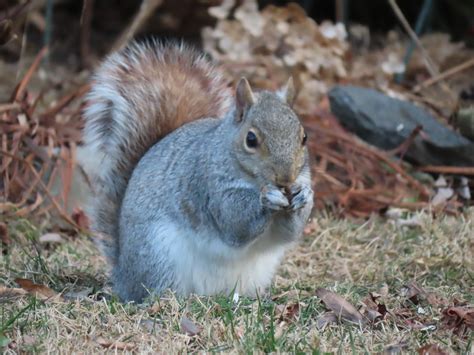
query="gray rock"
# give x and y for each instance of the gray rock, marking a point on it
(386, 123)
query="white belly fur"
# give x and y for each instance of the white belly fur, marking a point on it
(205, 265)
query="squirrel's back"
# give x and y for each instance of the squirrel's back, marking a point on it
(138, 96)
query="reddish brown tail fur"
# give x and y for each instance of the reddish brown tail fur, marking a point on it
(138, 96)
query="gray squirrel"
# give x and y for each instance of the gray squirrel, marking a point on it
(197, 191)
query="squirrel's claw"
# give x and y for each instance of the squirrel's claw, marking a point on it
(273, 199)
(301, 198)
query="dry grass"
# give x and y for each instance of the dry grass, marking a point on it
(346, 257)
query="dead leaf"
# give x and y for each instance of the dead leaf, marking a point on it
(415, 293)
(287, 313)
(431, 349)
(374, 315)
(80, 218)
(51, 238)
(443, 192)
(9, 293)
(115, 345)
(339, 306)
(411, 291)
(188, 327)
(40, 291)
(393, 65)
(222, 11)
(374, 310)
(459, 318)
(154, 309)
(463, 189)
(325, 319)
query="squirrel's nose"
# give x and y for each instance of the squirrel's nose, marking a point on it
(285, 180)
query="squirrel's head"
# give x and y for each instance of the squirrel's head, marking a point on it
(271, 140)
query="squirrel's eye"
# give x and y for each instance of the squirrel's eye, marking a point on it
(305, 138)
(251, 141)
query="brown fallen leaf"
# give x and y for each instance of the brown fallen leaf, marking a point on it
(188, 327)
(40, 291)
(412, 291)
(431, 349)
(51, 238)
(287, 313)
(339, 306)
(154, 309)
(81, 219)
(115, 345)
(443, 193)
(372, 309)
(460, 319)
(325, 319)
(415, 293)
(373, 315)
(9, 293)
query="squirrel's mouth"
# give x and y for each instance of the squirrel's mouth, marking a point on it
(285, 181)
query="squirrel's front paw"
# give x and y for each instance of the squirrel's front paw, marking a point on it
(274, 199)
(301, 196)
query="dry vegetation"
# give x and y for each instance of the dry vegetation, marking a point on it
(381, 257)
(403, 273)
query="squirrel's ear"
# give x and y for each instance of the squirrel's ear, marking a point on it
(244, 98)
(287, 92)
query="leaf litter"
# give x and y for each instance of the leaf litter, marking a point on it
(267, 46)
(189, 327)
(271, 44)
(340, 307)
(337, 152)
(460, 319)
(40, 291)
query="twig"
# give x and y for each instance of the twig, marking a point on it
(48, 32)
(64, 101)
(428, 61)
(37, 19)
(446, 74)
(29, 74)
(426, 57)
(147, 8)
(380, 156)
(341, 11)
(455, 170)
(14, 11)
(419, 25)
(402, 148)
(9, 106)
(43, 186)
(86, 20)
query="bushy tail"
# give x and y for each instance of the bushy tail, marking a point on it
(138, 96)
